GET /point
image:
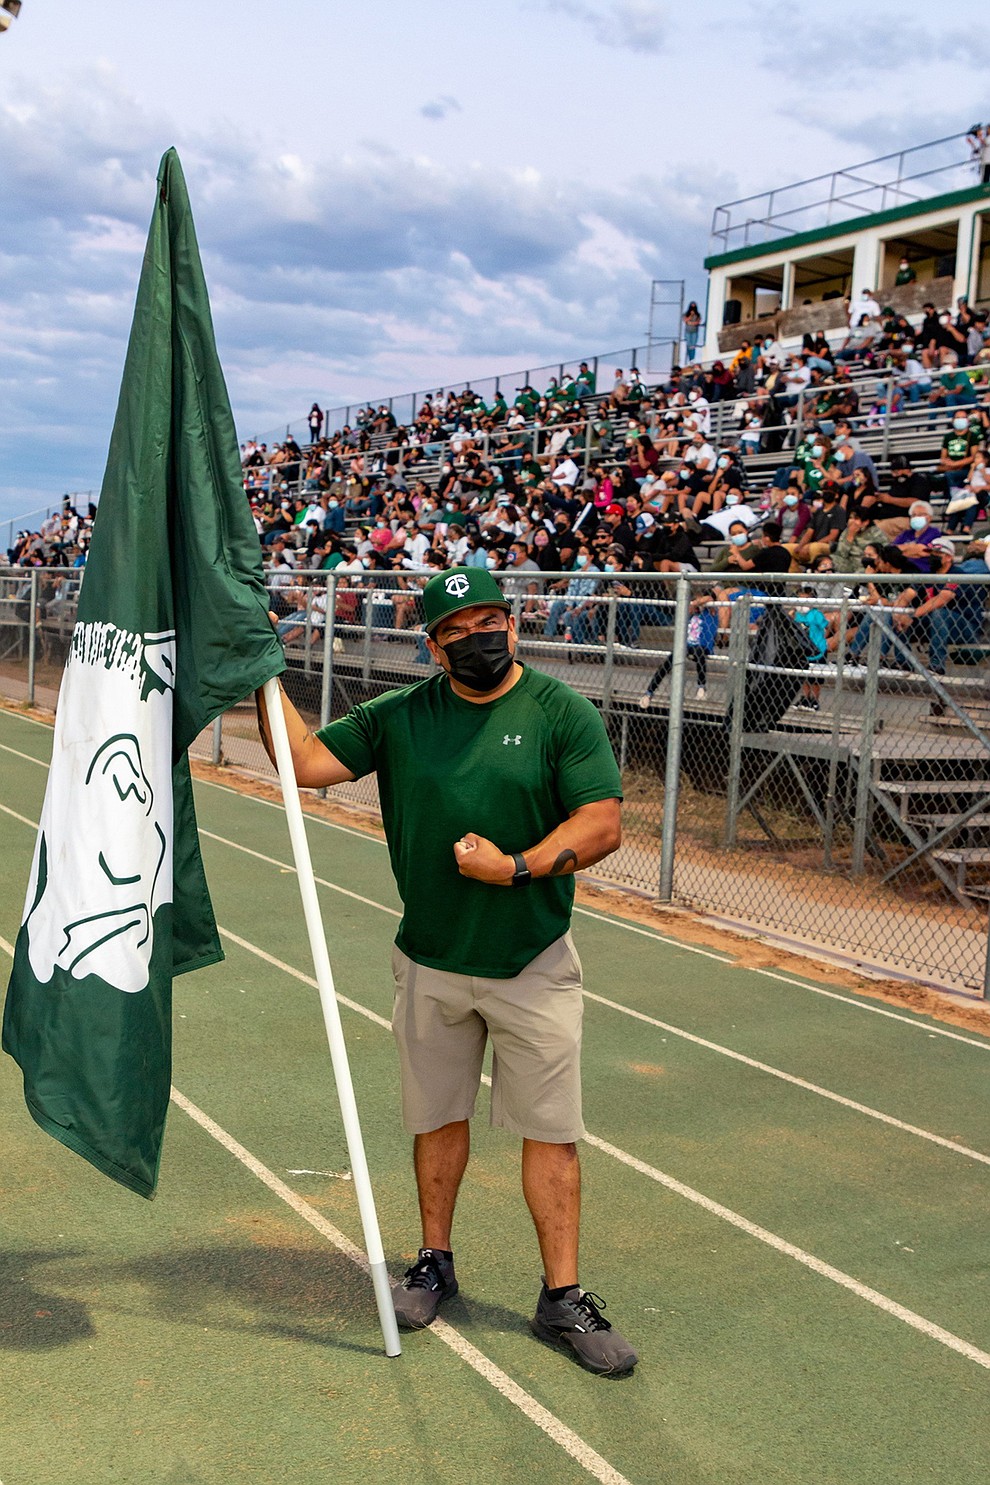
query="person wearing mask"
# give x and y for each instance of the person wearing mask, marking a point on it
(860, 533)
(955, 459)
(741, 547)
(905, 274)
(952, 613)
(574, 609)
(916, 540)
(497, 847)
(906, 485)
(826, 524)
(544, 551)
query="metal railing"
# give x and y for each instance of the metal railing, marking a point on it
(871, 186)
(840, 802)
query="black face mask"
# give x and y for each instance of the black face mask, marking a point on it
(480, 661)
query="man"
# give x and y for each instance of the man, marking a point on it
(955, 612)
(497, 783)
(859, 534)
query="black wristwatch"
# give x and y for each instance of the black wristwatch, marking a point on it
(522, 876)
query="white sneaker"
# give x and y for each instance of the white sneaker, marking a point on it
(644, 701)
(700, 694)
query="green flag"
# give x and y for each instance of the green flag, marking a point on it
(172, 630)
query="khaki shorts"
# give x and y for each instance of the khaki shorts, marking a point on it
(442, 1021)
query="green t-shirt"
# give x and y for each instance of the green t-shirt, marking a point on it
(510, 770)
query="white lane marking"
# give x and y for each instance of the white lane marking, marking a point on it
(716, 1209)
(781, 1245)
(7, 948)
(297, 974)
(817, 1265)
(564, 1437)
(776, 1072)
(28, 757)
(286, 866)
(859, 1005)
(15, 816)
(688, 1036)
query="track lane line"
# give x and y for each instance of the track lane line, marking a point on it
(819, 1266)
(565, 1438)
(955, 1146)
(774, 1072)
(572, 1443)
(858, 1005)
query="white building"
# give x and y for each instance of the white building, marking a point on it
(785, 262)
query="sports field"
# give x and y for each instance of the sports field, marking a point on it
(785, 1208)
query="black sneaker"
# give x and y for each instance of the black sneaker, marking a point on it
(576, 1323)
(426, 1285)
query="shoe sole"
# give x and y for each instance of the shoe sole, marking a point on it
(562, 1340)
(424, 1324)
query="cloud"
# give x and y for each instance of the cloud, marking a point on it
(636, 25)
(336, 278)
(439, 108)
(861, 43)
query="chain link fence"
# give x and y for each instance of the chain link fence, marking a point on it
(792, 759)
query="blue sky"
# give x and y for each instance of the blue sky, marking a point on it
(390, 196)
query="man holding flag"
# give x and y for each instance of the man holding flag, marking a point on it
(497, 783)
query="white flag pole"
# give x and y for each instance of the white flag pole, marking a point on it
(331, 1018)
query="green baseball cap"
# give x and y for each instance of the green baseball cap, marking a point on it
(460, 587)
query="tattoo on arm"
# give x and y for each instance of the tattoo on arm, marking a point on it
(566, 861)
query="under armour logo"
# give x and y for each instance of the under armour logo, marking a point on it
(507, 740)
(456, 585)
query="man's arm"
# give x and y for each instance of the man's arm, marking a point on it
(314, 765)
(590, 832)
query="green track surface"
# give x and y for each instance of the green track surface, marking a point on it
(212, 1335)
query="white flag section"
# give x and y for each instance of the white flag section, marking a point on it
(331, 1019)
(103, 858)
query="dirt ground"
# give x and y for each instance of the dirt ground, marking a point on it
(679, 923)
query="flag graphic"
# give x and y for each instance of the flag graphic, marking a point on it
(172, 629)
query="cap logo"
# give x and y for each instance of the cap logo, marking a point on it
(456, 585)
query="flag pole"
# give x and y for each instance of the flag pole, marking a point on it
(331, 1018)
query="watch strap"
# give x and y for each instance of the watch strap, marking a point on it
(522, 875)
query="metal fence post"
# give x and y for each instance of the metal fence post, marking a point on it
(986, 965)
(738, 656)
(308, 631)
(608, 674)
(216, 754)
(833, 761)
(369, 614)
(32, 635)
(675, 736)
(864, 766)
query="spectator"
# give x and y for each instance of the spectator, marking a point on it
(692, 329)
(619, 392)
(921, 532)
(811, 618)
(851, 545)
(315, 421)
(956, 456)
(972, 498)
(905, 273)
(953, 612)
(702, 632)
(575, 608)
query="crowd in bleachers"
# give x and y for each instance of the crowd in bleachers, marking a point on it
(754, 465)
